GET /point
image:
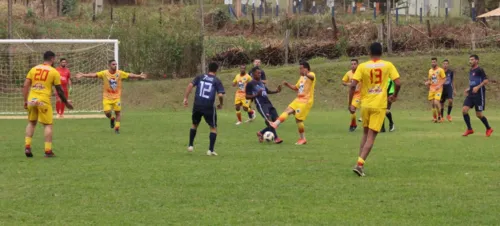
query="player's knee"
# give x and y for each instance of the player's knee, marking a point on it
(245, 108)
(194, 126)
(465, 110)
(237, 107)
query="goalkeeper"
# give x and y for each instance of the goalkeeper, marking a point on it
(112, 90)
(388, 114)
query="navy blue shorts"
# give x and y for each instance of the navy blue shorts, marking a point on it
(267, 111)
(447, 93)
(478, 102)
(209, 114)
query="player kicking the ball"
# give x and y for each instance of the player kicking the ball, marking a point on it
(208, 86)
(476, 96)
(301, 106)
(256, 90)
(240, 81)
(346, 81)
(112, 90)
(374, 77)
(36, 93)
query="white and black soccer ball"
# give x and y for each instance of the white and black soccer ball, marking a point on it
(268, 136)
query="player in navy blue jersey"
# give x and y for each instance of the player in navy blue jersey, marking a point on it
(257, 91)
(256, 65)
(208, 86)
(449, 89)
(476, 96)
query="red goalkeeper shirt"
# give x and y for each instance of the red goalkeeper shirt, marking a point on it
(65, 76)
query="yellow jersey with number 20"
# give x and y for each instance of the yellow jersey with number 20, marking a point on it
(42, 77)
(374, 77)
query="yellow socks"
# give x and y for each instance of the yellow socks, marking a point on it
(353, 119)
(117, 125)
(238, 115)
(27, 142)
(282, 118)
(48, 146)
(300, 126)
(361, 162)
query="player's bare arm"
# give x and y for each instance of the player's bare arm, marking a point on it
(292, 87)
(476, 88)
(352, 89)
(221, 100)
(275, 91)
(186, 94)
(141, 76)
(26, 90)
(60, 93)
(89, 75)
(397, 87)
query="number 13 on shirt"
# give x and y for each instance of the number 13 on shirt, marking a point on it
(376, 76)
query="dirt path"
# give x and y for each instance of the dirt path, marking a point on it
(55, 118)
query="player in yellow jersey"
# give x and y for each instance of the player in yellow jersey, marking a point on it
(374, 78)
(112, 90)
(241, 80)
(301, 106)
(435, 81)
(36, 93)
(346, 81)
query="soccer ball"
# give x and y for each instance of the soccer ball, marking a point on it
(268, 136)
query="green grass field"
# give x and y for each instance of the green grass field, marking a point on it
(421, 174)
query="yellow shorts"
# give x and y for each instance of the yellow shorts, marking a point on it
(356, 101)
(301, 109)
(40, 111)
(108, 105)
(242, 100)
(373, 118)
(435, 95)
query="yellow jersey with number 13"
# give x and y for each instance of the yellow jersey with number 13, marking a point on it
(42, 77)
(374, 77)
(112, 83)
(305, 86)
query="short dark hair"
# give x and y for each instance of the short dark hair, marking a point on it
(49, 55)
(61, 60)
(476, 57)
(376, 49)
(305, 65)
(355, 60)
(111, 61)
(213, 67)
(434, 58)
(446, 60)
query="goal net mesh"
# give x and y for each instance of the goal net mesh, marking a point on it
(17, 59)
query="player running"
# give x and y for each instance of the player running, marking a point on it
(257, 91)
(208, 86)
(346, 81)
(112, 90)
(374, 77)
(448, 89)
(36, 93)
(65, 83)
(476, 96)
(388, 114)
(240, 81)
(301, 106)
(435, 82)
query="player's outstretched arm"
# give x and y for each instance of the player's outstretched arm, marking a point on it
(60, 93)
(274, 91)
(140, 76)
(26, 90)
(89, 75)
(290, 86)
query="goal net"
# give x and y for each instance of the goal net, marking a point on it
(18, 56)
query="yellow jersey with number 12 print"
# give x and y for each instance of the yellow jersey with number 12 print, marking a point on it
(42, 77)
(305, 86)
(112, 83)
(374, 76)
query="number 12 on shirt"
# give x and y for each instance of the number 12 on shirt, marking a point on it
(376, 76)
(206, 89)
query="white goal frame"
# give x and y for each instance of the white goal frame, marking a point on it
(115, 43)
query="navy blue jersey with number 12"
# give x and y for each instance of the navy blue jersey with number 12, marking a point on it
(207, 88)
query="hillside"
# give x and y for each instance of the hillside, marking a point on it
(330, 94)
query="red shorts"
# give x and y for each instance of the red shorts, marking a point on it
(65, 95)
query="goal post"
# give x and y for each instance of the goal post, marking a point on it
(18, 56)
